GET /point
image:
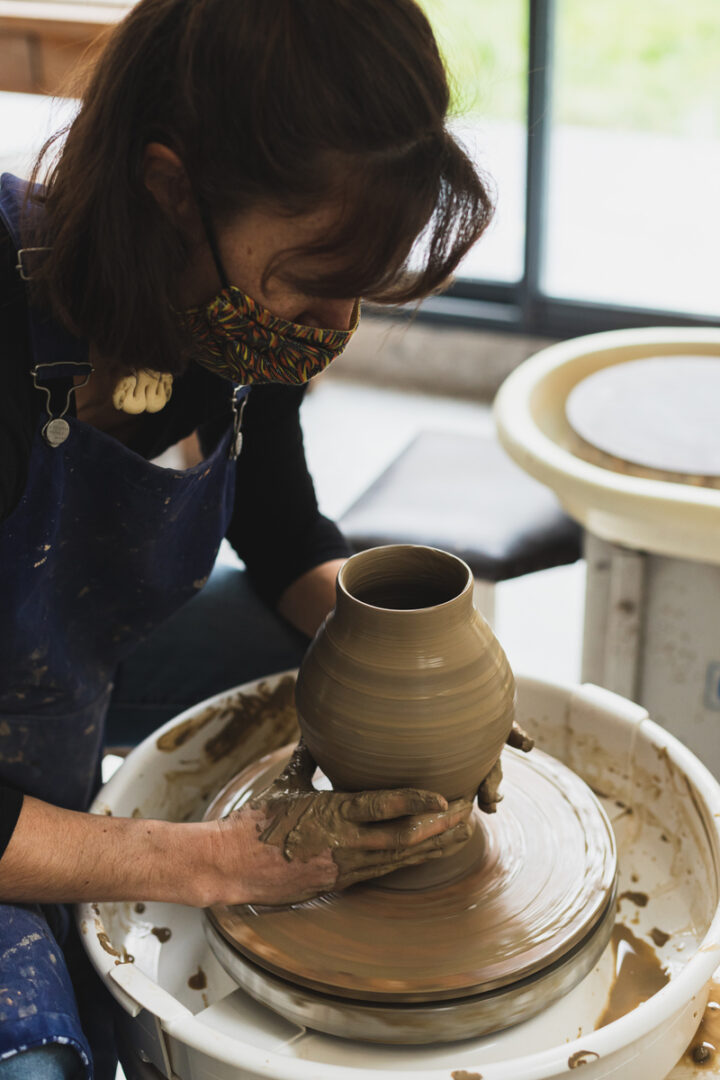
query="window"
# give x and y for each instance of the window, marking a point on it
(600, 124)
(485, 48)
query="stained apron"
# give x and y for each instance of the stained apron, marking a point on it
(102, 547)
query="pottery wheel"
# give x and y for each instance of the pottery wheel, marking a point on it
(543, 881)
(659, 413)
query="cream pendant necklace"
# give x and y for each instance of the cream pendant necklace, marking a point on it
(143, 391)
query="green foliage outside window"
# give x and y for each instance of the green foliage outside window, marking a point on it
(645, 65)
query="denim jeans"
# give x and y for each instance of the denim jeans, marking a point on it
(51, 1062)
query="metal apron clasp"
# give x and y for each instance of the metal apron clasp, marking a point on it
(57, 429)
(240, 395)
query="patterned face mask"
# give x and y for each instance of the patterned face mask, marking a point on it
(242, 341)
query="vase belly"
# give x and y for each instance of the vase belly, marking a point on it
(406, 697)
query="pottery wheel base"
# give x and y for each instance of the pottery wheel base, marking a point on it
(520, 929)
(425, 1022)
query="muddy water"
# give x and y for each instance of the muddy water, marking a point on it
(638, 975)
(704, 1051)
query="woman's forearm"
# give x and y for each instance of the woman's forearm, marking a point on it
(59, 855)
(308, 600)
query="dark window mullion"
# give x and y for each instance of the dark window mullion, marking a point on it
(484, 289)
(540, 59)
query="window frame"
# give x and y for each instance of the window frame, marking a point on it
(522, 307)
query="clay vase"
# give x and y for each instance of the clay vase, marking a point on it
(405, 684)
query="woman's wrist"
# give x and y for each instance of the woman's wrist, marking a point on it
(307, 601)
(57, 855)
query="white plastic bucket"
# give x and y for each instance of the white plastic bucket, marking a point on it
(665, 809)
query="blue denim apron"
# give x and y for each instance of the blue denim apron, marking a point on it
(102, 547)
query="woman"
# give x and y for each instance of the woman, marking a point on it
(240, 172)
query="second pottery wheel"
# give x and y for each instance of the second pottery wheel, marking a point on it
(536, 900)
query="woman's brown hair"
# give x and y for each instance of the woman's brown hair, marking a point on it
(280, 102)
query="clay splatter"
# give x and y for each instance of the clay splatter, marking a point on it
(582, 1057)
(463, 1074)
(639, 898)
(124, 956)
(703, 1050)
(179, 734)
(198, 981)
(659, 937)
(245, 713)
(139, 907)
(162, 933)
(251, 711)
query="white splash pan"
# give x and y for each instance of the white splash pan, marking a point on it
(652, 786)
(660, 516)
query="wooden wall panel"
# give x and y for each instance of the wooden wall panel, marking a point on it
(17, 69)
(41, 44)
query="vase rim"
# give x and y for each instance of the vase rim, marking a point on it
(371, 555)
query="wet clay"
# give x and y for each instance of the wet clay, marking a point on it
(582, 1057)
(638, 975)
(659, 937)
(704, 1050)
(405, 684)
(301, 822)
(162, 933)
(198, 981)
(463, 1074)
(544, 877)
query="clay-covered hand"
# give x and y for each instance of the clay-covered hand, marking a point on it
(488, 795)
(294, 842)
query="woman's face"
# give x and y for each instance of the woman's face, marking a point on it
(247, 245)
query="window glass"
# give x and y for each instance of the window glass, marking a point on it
(26, 121)
(633, 217)
(485, 48)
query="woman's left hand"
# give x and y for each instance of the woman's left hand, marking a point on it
(488, 795)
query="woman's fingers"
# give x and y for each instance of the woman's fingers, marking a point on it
(488, 795)
(385, 805)
(410, 832)
(359, 866)
(519, 738)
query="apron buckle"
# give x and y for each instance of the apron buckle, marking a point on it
(21, 265)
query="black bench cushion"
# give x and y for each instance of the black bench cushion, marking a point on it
(462, 493)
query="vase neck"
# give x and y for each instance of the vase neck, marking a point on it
(397, 590)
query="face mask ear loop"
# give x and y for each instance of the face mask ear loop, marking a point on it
(212, 241)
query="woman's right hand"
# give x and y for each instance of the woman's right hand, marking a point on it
(292, 842)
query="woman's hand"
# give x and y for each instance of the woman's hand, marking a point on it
(488, 795)
(291, 842)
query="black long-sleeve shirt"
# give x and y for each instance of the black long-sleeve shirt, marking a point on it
(276, 526)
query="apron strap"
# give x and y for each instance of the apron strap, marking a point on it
(57, 356)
